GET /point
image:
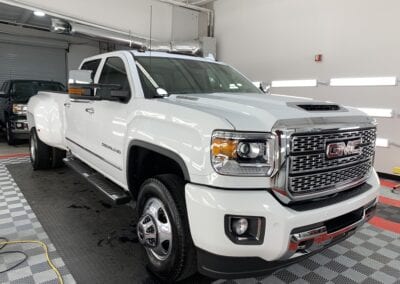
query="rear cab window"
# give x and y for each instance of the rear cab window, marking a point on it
(22, 90)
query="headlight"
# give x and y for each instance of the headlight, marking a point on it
(242, 154)
(19, 109)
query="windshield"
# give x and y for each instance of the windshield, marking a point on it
(23, 90)
(185, 76)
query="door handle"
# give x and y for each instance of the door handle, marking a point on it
(89, 110)
(67, 104)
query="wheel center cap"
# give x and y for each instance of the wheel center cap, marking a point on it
(147, 231)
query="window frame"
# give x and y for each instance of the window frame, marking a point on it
(91, 61)
(101, 67)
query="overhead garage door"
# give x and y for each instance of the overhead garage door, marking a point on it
(32, 62)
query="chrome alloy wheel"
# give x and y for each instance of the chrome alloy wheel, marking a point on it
(154, 229)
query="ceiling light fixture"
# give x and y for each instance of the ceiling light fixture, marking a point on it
(382, 142)
(377, 112)
(39, 13)
(294, 83)
(367, 81)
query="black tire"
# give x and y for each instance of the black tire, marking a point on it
(9, 135)
(57, 158)
(41, 154)
(181, 262)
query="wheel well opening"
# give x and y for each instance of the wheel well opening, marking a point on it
(144, 163)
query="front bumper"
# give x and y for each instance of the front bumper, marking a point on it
(19, 127)
(287, 231)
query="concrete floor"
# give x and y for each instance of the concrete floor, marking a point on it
(5, 149)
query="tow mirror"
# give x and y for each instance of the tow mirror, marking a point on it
(80, 77)
(80, 83)
(120, 95)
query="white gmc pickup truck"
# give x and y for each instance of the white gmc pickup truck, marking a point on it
(228, 180)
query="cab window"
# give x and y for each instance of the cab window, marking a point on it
(114, 72)
(92, 65)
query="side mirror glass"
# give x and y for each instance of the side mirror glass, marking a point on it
(162, 92)
(3, 94)
(81, 77)
(266, 88)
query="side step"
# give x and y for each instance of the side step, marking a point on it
(115, 193)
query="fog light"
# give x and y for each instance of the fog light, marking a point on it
(240, 226)
(245, 230)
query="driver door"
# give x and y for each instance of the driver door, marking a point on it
(78, 118)
(108, 121)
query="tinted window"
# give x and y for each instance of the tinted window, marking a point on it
(114, 72)
(91, 65)
(4, 88)
(23, 90)
(185, 76)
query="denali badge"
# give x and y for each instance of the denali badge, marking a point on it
(340, 149)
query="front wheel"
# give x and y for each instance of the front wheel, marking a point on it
(163, 228)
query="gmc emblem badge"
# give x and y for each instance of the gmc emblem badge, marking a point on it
(342, 149)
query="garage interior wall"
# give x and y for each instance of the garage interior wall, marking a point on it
(278, 39)
(77, 52)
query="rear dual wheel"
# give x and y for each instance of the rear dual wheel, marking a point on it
(43, 156)
(163, 228)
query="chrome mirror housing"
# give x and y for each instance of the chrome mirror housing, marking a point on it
(80, 77)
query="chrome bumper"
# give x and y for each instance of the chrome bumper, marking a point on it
(307, 241)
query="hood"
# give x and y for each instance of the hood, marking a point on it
(258, 112)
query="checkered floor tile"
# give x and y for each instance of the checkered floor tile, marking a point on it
(18, 222)
(372, 255)
(388, 212)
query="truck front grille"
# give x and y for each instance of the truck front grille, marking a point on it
(326, 180)
(311, 171)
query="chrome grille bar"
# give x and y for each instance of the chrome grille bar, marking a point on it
(328, 180)
(309, 169)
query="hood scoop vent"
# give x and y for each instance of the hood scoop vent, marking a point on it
(319, 107)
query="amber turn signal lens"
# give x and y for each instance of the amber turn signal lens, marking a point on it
(76, 91)
(225, 147)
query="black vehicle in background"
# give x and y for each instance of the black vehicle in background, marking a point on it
(14, 96)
